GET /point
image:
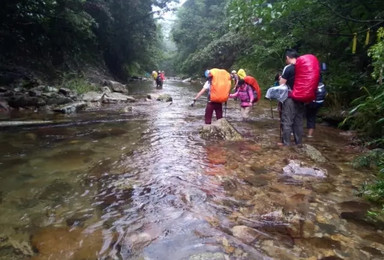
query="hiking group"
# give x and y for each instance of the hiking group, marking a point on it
(299, 88)
(158, 77)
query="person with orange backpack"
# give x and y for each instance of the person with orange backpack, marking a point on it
(218, 85)
(245, 94)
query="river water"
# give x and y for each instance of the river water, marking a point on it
(142, 184)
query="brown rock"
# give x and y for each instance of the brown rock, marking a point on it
(65, 243)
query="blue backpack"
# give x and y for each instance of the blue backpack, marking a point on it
(321, 93)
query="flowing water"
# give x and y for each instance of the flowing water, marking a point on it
(142, 184)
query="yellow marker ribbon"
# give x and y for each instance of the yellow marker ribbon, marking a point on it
(367, 37)
(354, 42)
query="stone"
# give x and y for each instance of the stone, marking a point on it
(244, 233)
(105, 89)
(221, 129)
(295, 168)
(67, 243)
(92, 96)
(164, 98)
(209, 256)
(65, 91)
(50, 89)
(313, 153)
(70, 108)
(115, 97)
(116, 86)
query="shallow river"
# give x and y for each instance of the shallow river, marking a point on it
(142, 184)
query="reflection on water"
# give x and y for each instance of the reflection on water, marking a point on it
(143, 185)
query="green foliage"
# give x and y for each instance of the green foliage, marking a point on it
(200, 36)
(66, 34)
(377, 54)
(76, 83)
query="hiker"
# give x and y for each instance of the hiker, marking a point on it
(252, 82)
(235, 79)
(218, 85)
(312, 108)
(292, 111)
(154, 76)
(245, 94)
(159, 80)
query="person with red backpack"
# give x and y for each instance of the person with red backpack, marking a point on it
(218, 85)
(245, 94)
(292, 112)
(301, 76)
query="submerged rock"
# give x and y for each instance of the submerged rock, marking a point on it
(67, 243)
(70, 108)
(209, 256)
(244, 233)
(221, 129)
(160, 97)
(313, 153)
(296, 168)
(116, 98)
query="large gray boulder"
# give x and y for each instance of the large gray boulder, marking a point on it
(116, 86)
(115, 97)
(92, 96)
(221, 129)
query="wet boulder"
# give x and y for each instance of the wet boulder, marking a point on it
(70, 108)
(114, 97)
(92, 96)
(313, 153)
(67, 243)
(116, 86)
(244, 233)
(160, 97)
(221, 129)
(209, 256)
(297, 168)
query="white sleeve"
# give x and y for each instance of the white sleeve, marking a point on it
(207, 85)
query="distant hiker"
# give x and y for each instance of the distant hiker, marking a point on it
(235, 79)
(218, 85)
(299, 75)
(154, 76)
(245, 94)
(312, 108)
(159, 80)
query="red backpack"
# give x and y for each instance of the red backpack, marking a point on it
(307, 75)
(253, 83)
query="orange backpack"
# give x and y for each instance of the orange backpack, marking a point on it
(220, 85)
(253, 83)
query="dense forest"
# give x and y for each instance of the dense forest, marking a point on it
(54, 37)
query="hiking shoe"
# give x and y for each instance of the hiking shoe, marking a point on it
(309, 136)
